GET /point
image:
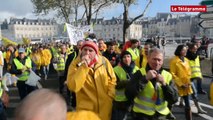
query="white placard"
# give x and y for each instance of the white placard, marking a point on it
(78, 33)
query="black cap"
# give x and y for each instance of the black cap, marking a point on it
(125, 53)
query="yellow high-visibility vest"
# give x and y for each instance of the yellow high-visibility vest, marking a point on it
(144, 102)
(28, 63)
(195, 68)
(135, 53)
(61, 63)
(119, 93)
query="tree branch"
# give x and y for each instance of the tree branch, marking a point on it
(82, 17)
(141, 15)
(99, 7)
(85, 6)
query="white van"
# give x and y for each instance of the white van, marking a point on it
(34, 41)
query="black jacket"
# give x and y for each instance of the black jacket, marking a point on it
(14, 69)
(111, 56)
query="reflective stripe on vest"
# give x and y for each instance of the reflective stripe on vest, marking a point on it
(122, 76)
(147, 109)
(24, 76)
(144, 102)
(195, 68)
(61, 63)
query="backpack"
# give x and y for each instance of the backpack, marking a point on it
(104, 63)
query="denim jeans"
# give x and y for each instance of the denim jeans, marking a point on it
(199, 83)
(46, 69)
(194, 94)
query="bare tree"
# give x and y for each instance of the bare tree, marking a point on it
(126, 20)
(65, 8)
(76, 5)
(92, 7)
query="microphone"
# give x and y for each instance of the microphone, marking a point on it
(81, 63)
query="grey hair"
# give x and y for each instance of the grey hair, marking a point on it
(155, 50)
(79, 41)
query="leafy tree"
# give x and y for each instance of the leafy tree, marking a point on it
(63, 7)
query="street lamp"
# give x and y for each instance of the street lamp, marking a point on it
(180, 30)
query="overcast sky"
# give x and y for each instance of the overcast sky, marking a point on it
(14, 8)
(24, 8)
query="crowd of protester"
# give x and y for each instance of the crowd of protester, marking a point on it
(106, 80)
